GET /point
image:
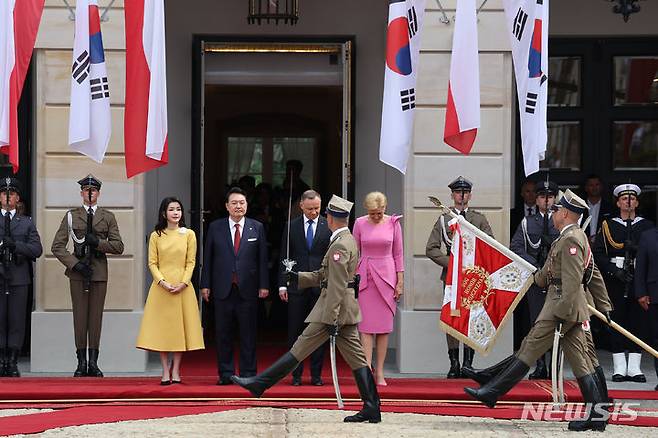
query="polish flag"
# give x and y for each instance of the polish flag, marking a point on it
(145, 123)
(463, 109)
(19, 22)
(484, 284)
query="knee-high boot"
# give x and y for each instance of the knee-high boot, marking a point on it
(453, 372)
(484, 376)
(368, 391)
(265, 380)
(594, 403)
(540, 372)
(11, 367)
(468, 357)
(500, 384)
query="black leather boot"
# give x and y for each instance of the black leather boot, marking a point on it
(484, 376)
(500, 384)
(268, 378)
(602, 384)
(453, 354)
(468, 357)
(11, 368)
(368, 391)
(3, 362)
(540, 371)
(81, 370)
(92, 367)
(597, 418)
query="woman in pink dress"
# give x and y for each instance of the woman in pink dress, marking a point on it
(381, 266)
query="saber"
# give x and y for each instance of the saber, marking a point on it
(334, 371)
(560, 377)
(554, 365)
(289, 264)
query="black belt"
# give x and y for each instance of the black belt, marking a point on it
(350, 285)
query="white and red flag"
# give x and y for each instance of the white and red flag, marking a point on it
(463, 108)
(145, 123)
(90, 120)
(405, 26)
(484, 283)
(19, 23)
(527, 28)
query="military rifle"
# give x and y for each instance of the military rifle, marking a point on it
(89, 251)
(6, 252)
(628, 255)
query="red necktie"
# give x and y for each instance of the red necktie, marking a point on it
(236, 239)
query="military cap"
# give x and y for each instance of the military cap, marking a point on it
(90, 181)
(460, 183)
(571, 202)
(548, 187)
(626, 189)
(13, 183)
(339, 207)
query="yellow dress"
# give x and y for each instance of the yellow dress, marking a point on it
(171, 322)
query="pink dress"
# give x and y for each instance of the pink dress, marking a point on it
(380, 259)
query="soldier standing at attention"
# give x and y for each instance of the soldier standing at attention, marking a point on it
(336, 313)
(438, 250)
(532, 241)
(87, 269)
(614, 250)
(20, 247)
(565, 313)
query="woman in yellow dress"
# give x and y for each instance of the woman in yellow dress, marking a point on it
(171, 322)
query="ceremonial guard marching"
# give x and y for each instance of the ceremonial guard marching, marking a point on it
(564, 314)
(614, 250)
(438, 250)
(20, 246)
(95, 234)
(335, 314)
(532, 241)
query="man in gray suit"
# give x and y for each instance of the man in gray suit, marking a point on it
(20, 246)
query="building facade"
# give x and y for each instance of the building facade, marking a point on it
(320, 81)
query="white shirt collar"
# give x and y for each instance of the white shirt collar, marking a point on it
(315, 221)
(335, 233)
(232, 223)
(93, 207)
(12, 212)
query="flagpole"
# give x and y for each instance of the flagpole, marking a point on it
(289, 264)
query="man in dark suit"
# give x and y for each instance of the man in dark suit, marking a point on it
(309, 240)
(599, 208)
(20, 247)
(646, 281)
(527, 208)
(235, 273)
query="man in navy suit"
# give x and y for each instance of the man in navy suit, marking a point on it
(646, 282)
(309, 240)
(235, 274)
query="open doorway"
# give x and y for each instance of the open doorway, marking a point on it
(265, 108)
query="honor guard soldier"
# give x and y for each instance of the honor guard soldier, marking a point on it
(614, 249)
(336, 313)
(532, 241)
(438, 250)
(20, 246)
(95, 234)
(565, 314)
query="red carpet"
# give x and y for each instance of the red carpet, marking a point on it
(88, 400)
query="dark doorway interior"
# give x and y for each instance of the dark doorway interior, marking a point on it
(252, 131)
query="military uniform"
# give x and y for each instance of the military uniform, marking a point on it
(19, 248)
(437, 249)
(335, 313)
(609, 252)
(565, 309)
(87, 306)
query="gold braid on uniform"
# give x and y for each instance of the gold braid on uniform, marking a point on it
(608, 236)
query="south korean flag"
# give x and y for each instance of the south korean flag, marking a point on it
(527, 26)
(90, 118)
(405, 25)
